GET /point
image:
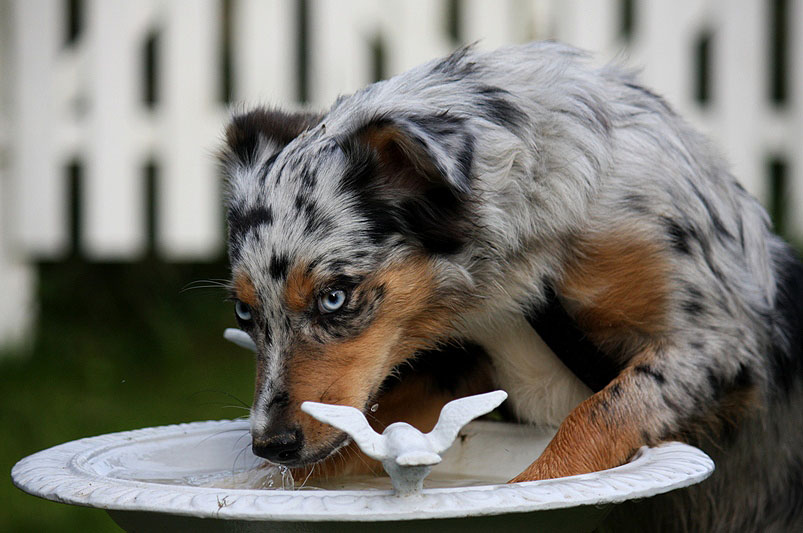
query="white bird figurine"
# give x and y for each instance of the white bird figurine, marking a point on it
(406, 453)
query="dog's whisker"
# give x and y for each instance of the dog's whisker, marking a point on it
(237, 457)
(311, 470)
(222, 432)
(206, 284)
(224, 393)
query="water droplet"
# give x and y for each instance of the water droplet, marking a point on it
(288, 483)
(374, 407)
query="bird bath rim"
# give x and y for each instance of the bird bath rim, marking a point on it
(62, 474)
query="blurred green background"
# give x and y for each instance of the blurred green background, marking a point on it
(118, 347)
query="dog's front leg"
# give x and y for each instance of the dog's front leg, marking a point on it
(606, 429)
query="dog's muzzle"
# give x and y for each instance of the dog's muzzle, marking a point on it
(283, 447)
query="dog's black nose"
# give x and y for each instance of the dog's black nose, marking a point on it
(281, 448)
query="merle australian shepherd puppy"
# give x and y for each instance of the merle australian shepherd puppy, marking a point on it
(405, 246)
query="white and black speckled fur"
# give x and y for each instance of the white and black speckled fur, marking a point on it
(525, 154)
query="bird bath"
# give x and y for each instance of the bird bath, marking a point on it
(184, 478)
(203, 477)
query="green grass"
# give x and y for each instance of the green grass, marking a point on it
(118, 347)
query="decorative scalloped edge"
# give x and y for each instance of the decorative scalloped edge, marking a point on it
(57, 474)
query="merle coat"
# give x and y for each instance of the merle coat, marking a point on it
(436, 220)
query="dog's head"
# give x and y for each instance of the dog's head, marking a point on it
(341, 241)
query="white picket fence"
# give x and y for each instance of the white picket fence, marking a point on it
(82, 101)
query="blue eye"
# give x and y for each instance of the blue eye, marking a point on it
(243, 311)
(332, 300)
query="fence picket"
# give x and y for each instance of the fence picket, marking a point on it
(338, 53)
(741, 75)
(406, 48)
(265, 51)
(494, 24)
(113, 201)
(16, 276)
(663, 48)
(588, 25)
(188, 216)
(38, 189)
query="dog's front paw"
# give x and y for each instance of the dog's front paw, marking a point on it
(543, 468)
(530, 474)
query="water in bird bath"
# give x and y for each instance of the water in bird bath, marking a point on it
(219, 459)
(273, 478)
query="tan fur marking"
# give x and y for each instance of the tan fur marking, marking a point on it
(597, 435)
(411, 318)
(411, 301)
(618, 284)
(298, 291)
(343, 374)
(380, 138)
(245, 290)
(400, 156)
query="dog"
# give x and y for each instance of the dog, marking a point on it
(520, 219)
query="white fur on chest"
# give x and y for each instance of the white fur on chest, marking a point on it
(541, 389)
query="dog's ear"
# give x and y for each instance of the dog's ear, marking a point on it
(412, 175)
(250, 134)
(419, 152)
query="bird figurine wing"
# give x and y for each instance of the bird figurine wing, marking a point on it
(353, 422)
(460, 412)
(240, 338)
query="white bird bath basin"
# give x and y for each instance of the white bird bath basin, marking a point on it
(181, 478)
